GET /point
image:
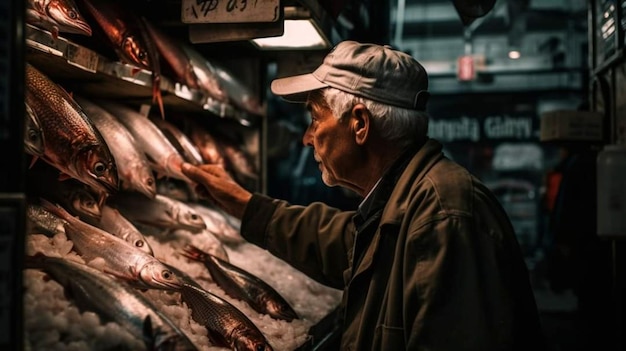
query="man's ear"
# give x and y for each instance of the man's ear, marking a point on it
(360, 123)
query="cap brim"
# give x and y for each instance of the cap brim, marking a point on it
(296, 88)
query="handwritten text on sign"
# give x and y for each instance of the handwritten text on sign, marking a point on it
(230, 11)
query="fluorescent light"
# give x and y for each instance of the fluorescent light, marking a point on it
(514, 54)
(298, 34)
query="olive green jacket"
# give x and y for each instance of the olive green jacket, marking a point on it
(443, 271)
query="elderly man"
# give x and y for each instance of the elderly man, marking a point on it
(429, 260)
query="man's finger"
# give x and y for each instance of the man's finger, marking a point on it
(193, 172)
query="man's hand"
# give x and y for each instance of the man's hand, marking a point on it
(214, 183)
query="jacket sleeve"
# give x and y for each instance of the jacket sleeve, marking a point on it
(315, 239)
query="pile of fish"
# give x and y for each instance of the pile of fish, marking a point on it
(138, 42)
(132, 259)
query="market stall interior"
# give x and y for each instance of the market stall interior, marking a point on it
(120, 253)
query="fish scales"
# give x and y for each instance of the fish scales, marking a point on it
(73, 145)
(227, 325)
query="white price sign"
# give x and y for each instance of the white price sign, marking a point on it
(230, 11)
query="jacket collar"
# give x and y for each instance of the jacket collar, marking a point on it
(418, 165)
(379, 195)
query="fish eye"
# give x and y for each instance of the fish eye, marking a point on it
(33, 135)
(260, 348)
(194, 216)
(142, 55)
(72, 14)
(99, 168)
(150, 181)
(139, 243)
(166, 274)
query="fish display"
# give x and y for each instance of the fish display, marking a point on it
(72, 143)
(121, 259)
(133, 168)
(161, 212)
(111, 210)
(57, 16)
(113, 300)
(243, 285)
(227, 326)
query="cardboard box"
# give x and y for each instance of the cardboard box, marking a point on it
(571, 125)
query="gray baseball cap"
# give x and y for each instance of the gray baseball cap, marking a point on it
(372, 71)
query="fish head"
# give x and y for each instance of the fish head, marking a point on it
(134, 51)
(96, 167)
(85, 203)
(147, 184)
(69, 19)
(281, 310)
(193, 221)
(34, 143)
(157, 275)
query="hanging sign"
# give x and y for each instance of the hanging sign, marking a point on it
(229, 11)
(465, 68)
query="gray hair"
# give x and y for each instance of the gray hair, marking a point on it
(396, 124)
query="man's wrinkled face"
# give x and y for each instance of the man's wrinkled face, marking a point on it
(331, 139)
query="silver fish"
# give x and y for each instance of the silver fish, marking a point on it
(162, 211)
(205, 73)
(227, 326)
(121, 259)
(115, 301)
(57, 16)
(180, 140)
(243, 285)
(163, 156)
(113, 222)
(133, 168)
(239, 94)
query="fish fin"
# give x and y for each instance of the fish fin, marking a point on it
(148, 334)
(156, 93)
(32, 162)
(64, 176)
